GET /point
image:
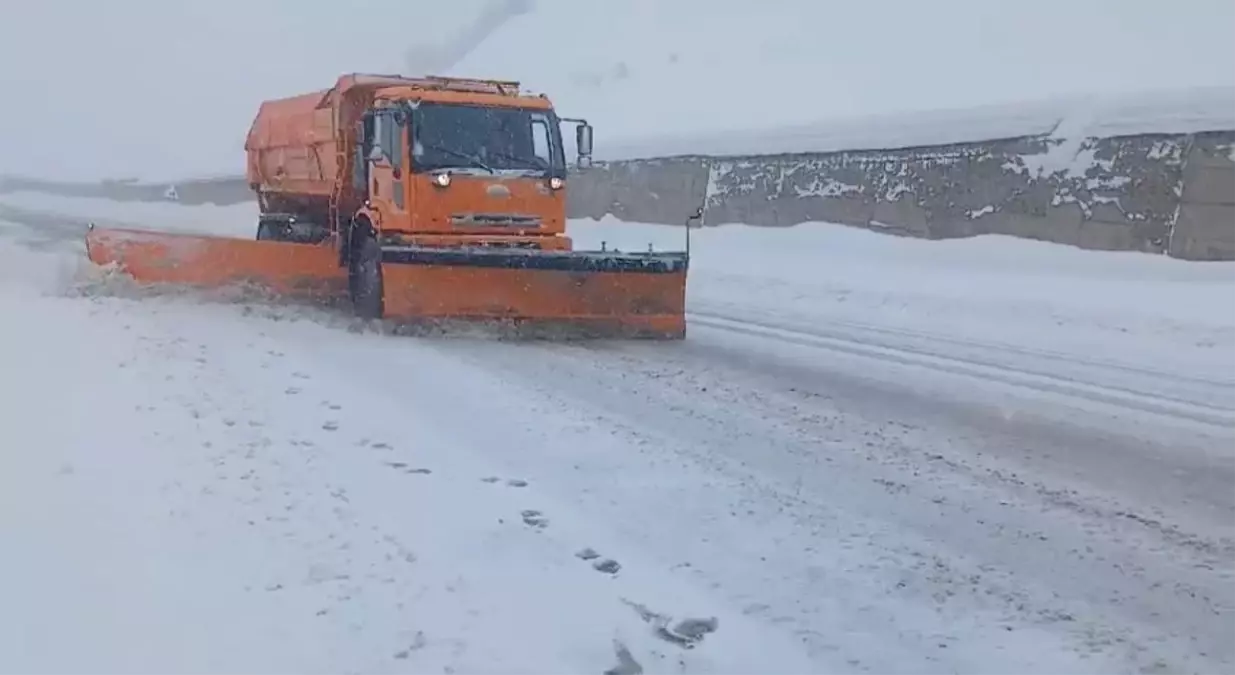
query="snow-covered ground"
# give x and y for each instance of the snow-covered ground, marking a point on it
(229, 221)
(871, 454)
(190, 489)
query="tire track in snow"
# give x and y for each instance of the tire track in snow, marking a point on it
(867, 342)
(862, 332)
(1169, 474)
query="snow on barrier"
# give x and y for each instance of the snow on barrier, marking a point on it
(1153, 172)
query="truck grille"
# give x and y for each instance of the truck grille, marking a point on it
(509, 220)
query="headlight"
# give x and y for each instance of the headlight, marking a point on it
(442, 179)
(556, 183)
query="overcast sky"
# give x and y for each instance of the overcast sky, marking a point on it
(155, 89)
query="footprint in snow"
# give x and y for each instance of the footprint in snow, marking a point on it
(534, 518)
(604, 565)
(512, 482)
(403, 466)
(418, 643)
(686, 633)
(607, 566)
(627, 665)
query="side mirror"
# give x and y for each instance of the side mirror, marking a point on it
(583, 143)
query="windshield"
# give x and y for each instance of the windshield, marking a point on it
(492, 139)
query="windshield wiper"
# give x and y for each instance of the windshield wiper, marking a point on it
(475, 161)
(535, 163)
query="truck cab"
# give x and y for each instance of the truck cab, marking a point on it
(451, 168)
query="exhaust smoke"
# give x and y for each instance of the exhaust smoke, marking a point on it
(437, 59)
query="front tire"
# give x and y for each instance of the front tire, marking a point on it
(364, 276)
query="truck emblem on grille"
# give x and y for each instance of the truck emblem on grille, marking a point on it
(497, 190)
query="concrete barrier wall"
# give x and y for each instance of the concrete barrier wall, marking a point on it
(1160, 193)
(1204, 224)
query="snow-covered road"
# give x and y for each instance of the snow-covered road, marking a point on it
(907, 462)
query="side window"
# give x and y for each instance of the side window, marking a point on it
(392, 140)
(388, 135)
(540, 139)
(378, 136)
(360, 177)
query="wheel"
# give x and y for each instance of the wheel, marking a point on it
(364, 277)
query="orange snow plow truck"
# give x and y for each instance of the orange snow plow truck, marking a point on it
(422, 200)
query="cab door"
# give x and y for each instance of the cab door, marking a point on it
(388, 185)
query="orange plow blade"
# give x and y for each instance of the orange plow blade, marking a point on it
(550, 293)
(302, 271)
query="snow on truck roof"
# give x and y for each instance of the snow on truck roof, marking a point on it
(323, 98)
(451, 88)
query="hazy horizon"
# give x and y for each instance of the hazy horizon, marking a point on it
(168, 90)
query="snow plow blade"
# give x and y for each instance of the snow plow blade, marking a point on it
(539, 293)
(301, 271)
(518, 292)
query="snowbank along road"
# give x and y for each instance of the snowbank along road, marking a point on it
(870, 455)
